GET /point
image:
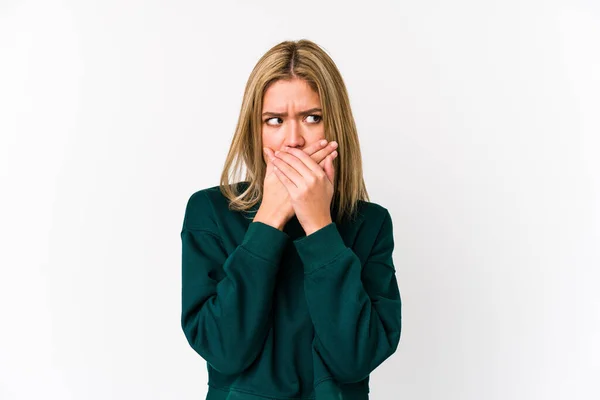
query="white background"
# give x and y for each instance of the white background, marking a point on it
(479, 126)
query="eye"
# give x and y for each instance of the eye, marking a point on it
(318, 117)
(267, 120)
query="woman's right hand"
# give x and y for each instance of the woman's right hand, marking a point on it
(276, 208)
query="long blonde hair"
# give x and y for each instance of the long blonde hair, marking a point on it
(306, 60)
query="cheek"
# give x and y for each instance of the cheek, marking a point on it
(272, 138)
(269, 141)
(317, 134)
(319, 131)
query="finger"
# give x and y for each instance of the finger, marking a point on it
(320, 155)
(329, 170)
(289, 185)
(271, 154)
(303, 163)
(302, 172)
(268, 159)
(290, 172)
(315, 147)
(322, 163)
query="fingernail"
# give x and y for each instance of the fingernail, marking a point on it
(323, 142)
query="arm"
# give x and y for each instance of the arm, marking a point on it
(356, 313)
(226, 299)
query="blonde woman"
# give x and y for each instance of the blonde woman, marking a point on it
(288, 285)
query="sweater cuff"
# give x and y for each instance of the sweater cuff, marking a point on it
(320, 247)
(265, 241)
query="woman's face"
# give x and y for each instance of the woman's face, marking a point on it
(291, 115)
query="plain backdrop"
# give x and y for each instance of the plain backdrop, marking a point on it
(479, 127)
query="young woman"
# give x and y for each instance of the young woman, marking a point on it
(288, 284)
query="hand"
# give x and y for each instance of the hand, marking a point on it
(310, 187)
(276, 205)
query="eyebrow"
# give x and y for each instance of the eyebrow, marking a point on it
(306, 112)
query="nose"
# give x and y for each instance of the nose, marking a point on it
(294, 137)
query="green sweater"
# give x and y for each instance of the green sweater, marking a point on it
(281, 315)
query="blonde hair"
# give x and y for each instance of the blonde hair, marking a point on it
(287, 60)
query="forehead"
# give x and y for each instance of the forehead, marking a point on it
(296, 92)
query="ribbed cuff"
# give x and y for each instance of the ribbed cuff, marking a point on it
(265, 241)
(320, 247)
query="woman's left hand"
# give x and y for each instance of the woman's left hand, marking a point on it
(310, 187)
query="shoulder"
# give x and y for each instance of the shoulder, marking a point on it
(374, 214)
(368, 231)
(373, 225)
(375, 234)
(200, 208)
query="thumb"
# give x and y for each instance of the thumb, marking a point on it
(268, 154)
(328, 168)
(268, 158)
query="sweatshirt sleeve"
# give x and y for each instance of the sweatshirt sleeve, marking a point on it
(355, 309)
(226, 299)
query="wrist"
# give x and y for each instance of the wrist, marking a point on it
(317, 226)
(272, 219)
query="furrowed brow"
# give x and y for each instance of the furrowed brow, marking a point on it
(306, 112)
